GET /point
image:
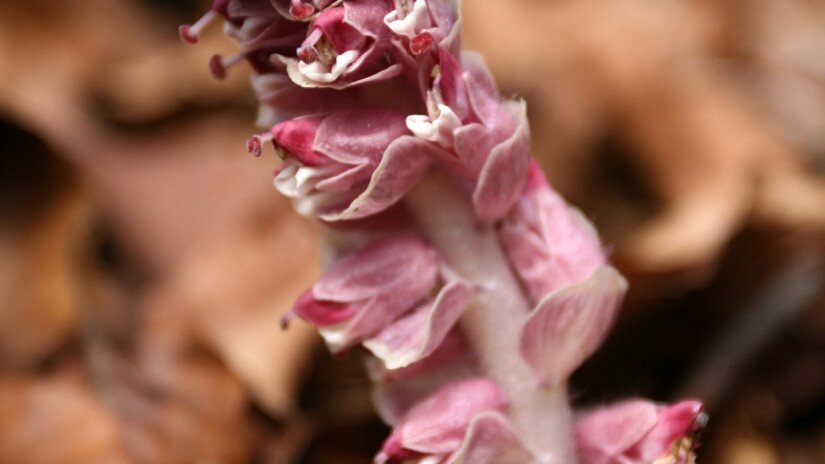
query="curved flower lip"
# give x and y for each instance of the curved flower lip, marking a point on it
(418, 334)
(569, 324)
(491, 439)
(368, 290)
(348, 164)
(486, 140)
(639, 432)
(404, 162)
(342, 50)
(437, 426)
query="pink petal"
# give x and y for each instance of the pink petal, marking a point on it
(359, 136)
(297, 137)
(549, 245)
(322, 313)
(568, 325)
(439, 423)
(381, 266)
(674, 423)
(282, 99)
(483, 95)
(602, 436)
(637, 432)
(341, 35)
(451, 83)
(418, 334)
(404, 162)
(367, 16)
(504, 173)
(491, 439)
(397, 391)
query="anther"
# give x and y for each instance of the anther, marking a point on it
(255, 144)
(190, 33)
(218, 64)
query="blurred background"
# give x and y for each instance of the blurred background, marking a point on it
(145, 258)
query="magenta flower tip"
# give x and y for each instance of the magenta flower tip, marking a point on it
(186, 35)
(216, 65)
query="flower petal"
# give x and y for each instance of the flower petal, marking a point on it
(360, 135)
(404, 162)
(548, 244)
(438, 424)
(505, 171)
(568, 325)
(491, 439)
(605, 434)
(417, 335)
(381, 266)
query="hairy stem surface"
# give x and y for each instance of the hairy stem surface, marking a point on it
(493, 321)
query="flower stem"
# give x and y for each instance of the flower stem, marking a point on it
(493, 321)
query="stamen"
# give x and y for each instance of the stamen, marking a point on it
(255, 143)
(421, 43)
(301, 10)
(190, 33)
(286, 319)
(308, 52)
(218, 64)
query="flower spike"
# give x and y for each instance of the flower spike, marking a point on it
(475, 290)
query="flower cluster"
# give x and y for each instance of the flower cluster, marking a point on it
(475, 288)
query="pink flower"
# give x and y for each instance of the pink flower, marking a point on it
(487, 141)
(437, 427)
(369, 289)
(549, 245)
(343, 48)
(640, 432)
(348, 164)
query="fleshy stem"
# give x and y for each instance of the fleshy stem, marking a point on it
(493, 321)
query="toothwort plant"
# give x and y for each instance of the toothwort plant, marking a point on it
(475, 288)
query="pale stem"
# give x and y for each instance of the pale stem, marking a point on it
(493, 321)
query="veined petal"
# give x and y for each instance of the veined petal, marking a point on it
(418, 334)
(438, 424)
(491, 439)
(569, 324)
(548, 244)
(640, 432)
(380, 267)
(360, 135)
(605, 434)
(404, 162)
(504, 172)
(322, 313)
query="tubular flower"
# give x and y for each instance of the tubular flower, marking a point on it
(640, 432)
(487, 140)
(473, 288)
(369, 289)
(438, 428)
(347, 164)
(343, 48)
